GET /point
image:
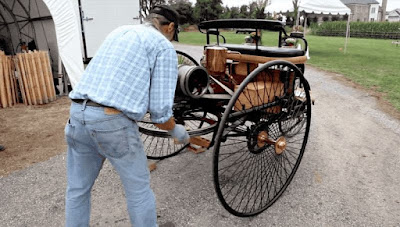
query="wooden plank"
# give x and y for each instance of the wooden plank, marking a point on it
(196, 149)
(31, 81)
(200, 141)
(12, 79)
(3, 94)
(25, 79)
(14, 69)
(20, 81)
(42, 81)
(50, 73)
(31, 84)
(48, 76)
(39, 90)
(6, 70)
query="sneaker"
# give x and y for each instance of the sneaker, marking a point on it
(2, 148)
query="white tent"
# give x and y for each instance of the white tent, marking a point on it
(56, 26)
(67, 27)
(277, 6)
(309, 6)
(333, 7)
(52, 25)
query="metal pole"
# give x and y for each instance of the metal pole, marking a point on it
(83, 32)
(347, 33)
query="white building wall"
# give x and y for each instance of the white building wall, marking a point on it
(373, 12)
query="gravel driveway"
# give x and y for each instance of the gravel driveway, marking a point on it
(349, 176)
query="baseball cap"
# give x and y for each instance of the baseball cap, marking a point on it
(170, 14)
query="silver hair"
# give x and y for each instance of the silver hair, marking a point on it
(156, 20)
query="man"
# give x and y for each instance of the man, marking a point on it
(133, 72)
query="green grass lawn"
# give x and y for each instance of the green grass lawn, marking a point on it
(372, 63)
(197, 38)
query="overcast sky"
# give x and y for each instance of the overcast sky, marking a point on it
(392, 4)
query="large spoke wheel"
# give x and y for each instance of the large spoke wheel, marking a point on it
(185, 59)
(261, 138)
(157, 143)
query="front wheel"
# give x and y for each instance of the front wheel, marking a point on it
(261, 138)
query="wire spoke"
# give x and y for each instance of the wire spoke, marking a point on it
(252, 174)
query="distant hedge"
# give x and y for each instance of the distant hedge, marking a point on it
(380, 30)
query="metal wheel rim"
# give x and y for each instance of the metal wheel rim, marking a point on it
(217, 181)
(155, 139)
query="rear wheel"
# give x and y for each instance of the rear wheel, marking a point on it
(185, 59)
(157, 143)
(261, 138)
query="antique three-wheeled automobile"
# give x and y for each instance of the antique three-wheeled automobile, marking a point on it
(251, 103)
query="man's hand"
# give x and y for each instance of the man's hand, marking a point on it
(179, 133)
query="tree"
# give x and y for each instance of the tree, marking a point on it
(384, 5)
(185, 10)
(252, 9)
(296, 10)
(244, 13)
(207, 9)
(226, 13)
(257, 9)
(235, 13)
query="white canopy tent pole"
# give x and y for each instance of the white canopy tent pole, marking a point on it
(347, 32)
(60, 74)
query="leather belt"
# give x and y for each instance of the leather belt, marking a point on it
(88, 103)
(107, 110)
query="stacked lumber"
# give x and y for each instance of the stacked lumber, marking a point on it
(35, 77)
(8, 82)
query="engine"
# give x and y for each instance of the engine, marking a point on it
(193, 81)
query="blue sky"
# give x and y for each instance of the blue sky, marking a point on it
(392, 4)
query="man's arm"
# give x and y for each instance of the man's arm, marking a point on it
(168, 125)
(162, 86)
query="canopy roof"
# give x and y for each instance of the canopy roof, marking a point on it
(309, 6)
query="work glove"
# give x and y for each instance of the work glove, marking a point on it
(179, 133)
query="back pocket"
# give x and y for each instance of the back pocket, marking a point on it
(112, 143)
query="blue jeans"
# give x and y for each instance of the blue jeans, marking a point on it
(92, 136)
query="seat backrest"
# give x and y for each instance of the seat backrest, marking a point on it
(263, 50)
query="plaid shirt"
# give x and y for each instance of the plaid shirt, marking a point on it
(134, 71)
